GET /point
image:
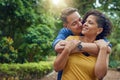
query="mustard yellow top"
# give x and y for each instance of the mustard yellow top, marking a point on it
(79, 66)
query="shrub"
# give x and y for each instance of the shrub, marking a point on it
(26, 71)
(7, 52)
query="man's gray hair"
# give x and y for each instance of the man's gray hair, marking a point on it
(66, 12)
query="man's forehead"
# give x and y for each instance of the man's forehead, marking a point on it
(73, 17)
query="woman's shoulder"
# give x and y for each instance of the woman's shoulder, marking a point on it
(73, 38)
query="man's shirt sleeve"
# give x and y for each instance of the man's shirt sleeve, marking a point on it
(62, 35)
(108, 41)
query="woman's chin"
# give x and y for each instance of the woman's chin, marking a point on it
(83, 32)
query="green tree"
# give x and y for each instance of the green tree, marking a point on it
(17, 21)
(16, 16)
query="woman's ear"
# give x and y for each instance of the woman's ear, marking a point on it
(99, 30)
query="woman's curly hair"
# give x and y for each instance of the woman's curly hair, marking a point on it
(102, 22)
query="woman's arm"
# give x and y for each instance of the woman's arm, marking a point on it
(62, 58)
(102, 59)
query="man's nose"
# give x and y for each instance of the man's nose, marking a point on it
(79, 23)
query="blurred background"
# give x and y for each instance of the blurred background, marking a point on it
(28, 28)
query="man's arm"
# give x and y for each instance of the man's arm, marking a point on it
(59, 43)
(90, 48)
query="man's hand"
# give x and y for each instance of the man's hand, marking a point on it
(70, 44)
(60, 46)
(74, 44)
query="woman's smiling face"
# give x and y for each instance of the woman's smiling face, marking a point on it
(90, 27)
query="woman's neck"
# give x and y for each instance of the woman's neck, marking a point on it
(88, 39)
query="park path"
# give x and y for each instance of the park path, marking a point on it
(111, 75)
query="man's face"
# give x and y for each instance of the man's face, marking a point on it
(74, 23)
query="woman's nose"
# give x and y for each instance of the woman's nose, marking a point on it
(85, 24)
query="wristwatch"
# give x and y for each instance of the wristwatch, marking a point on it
(79, 46)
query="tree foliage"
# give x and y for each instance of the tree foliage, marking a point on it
(16, 16)
(24, 21)
(7, 52)
(37, 43)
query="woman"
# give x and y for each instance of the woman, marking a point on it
(77, 66)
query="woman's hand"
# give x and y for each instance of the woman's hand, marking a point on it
(101, 43)
(102, 59)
